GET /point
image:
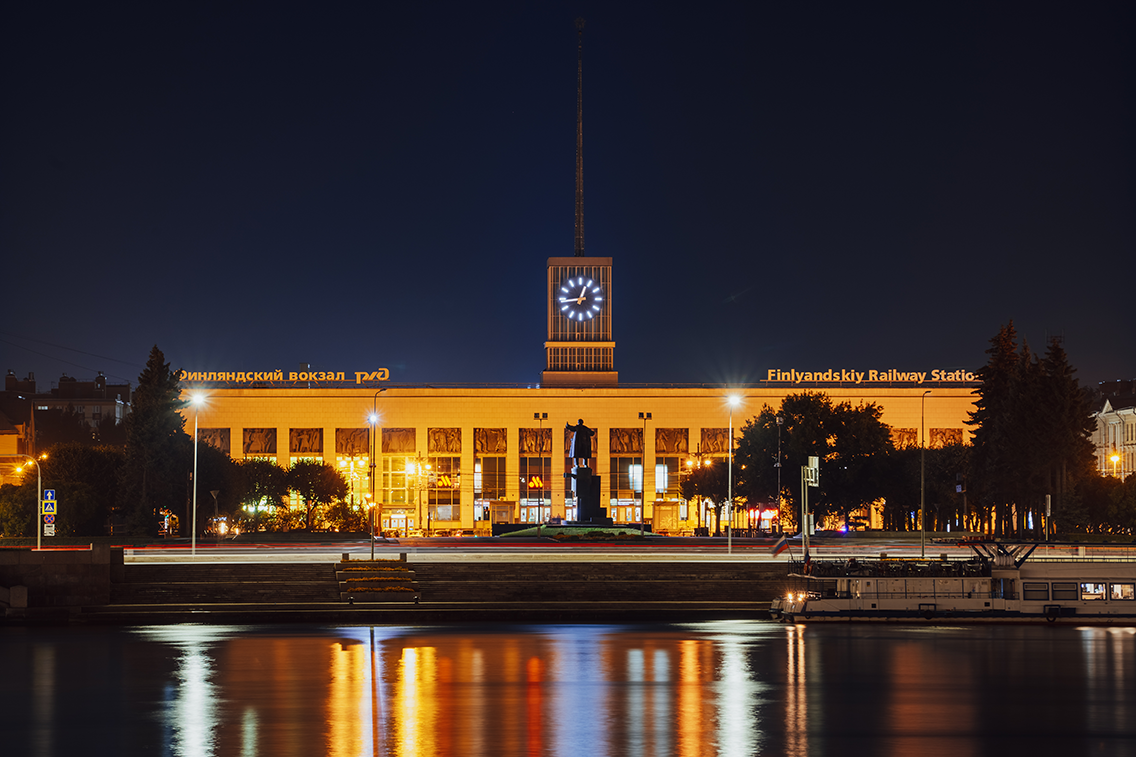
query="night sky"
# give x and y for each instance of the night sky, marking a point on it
(368, 185)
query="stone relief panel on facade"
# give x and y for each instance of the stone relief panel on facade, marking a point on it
(218, 438)
(352, 441)
(626, 441)
(444, 441)
(942, 437)
(715, 441)
(399, 441)
(671, 441)
(905, 437)
(305, 441)
(537, 442)
(490, 441)
(259, 441)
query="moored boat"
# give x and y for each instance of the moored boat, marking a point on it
(999, 583)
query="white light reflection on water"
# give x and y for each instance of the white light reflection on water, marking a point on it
(738, 692)
(190, 717)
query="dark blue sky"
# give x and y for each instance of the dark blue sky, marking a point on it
(379, 184)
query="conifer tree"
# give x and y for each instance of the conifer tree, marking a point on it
(992, 460)
(154, 474)
(1068, 452)
(1032, 425)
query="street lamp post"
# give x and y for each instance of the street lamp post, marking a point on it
(732, 401)
(373, 420)
(197, 399)
(777, 465)
(643, 475)
(922, 455)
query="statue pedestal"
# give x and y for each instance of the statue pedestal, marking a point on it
(588, 509)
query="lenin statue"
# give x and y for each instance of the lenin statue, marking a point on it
(581, 451)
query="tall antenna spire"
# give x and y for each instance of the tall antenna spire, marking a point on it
(580, 138)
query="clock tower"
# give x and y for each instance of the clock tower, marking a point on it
(579, 350)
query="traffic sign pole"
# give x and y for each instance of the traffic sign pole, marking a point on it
(48, 507)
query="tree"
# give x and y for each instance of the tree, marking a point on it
(861, 444)
(18, 509)
(93, 472)
(155, 472)
(110, 432)
(709, 481)
(217, 472)
(852, 443)
(1032, 424)
(995, 442)
(317, 484)
(1068, 455)
(756, 460)
(264, 484)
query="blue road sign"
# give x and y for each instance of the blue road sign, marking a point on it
(48, 494)
(49, 507)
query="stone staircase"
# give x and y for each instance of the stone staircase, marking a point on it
(226, 583)
(378, 581)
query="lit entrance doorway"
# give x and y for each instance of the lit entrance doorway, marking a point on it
(397, 521)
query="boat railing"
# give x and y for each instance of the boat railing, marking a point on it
(838, 594)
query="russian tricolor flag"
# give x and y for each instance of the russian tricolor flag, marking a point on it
(780, 546)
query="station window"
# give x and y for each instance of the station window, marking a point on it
(1035, 591)
(394, 489)
(489, 478)
(536, 489)
(667, 473)
(626, 478)
(1065, 591)
(1091, 590)
(444, 488)
(1122, 591)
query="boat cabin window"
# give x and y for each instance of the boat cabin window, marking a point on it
(1092, 590)
(1035, 591)
(1122, 591)
(1067, 591)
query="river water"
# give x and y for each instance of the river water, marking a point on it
(720, 688)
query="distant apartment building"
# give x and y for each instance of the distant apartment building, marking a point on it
(94, 401)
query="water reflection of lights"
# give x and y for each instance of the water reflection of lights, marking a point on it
(1106, 650)
(796, 694)
(370, 691)
(190, 714)
(737, 697)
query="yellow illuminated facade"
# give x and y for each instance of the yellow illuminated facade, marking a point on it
(462, 458)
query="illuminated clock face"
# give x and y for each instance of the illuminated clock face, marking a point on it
(578, 298)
